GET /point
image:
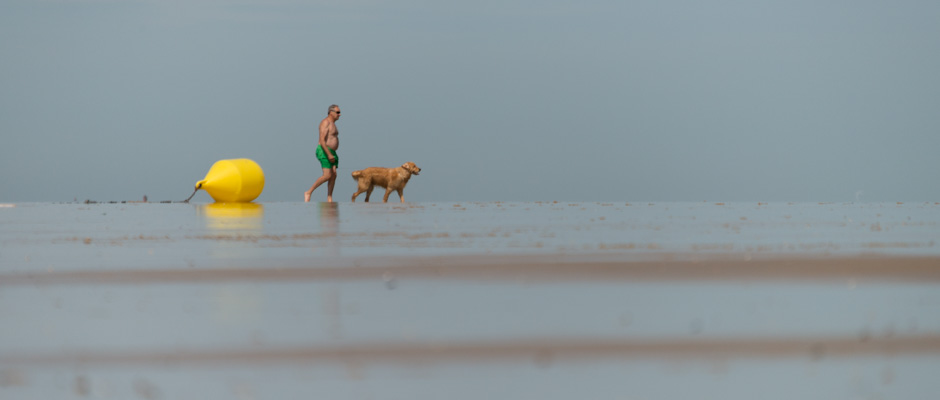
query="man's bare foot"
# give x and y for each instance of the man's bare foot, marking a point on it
(307, 197)
(329, 199)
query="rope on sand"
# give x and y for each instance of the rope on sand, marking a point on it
(145, 200)
(191, 196)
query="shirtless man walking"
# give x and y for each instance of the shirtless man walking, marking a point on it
(326, 153)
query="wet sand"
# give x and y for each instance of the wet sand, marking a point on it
(531, 269)
(539, 350)
(470, 300)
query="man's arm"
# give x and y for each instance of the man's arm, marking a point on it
(324, 131)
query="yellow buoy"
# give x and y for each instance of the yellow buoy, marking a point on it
(233, 181)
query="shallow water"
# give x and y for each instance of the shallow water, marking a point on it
(469, 300)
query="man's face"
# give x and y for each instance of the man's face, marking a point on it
(335, 113)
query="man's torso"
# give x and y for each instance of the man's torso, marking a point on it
(332, 135)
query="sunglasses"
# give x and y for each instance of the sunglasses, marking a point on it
(337, 112)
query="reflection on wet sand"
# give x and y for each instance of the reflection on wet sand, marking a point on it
(232, 216)
(232, 220)
(329, 228)
(329, 217)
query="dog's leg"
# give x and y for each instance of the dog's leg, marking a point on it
(401, 196)
(361, 187)
(369, 192)
(387, 192)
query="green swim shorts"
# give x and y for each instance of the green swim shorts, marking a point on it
(324, 160)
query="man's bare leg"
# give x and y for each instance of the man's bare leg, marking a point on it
(329, 186)
(327, 176)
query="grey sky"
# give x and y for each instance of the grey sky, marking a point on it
(495, 100)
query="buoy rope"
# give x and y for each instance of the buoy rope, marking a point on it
(191, 196)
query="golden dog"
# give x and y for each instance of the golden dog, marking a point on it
(388, 178)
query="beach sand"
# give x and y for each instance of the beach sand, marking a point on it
(470, 300)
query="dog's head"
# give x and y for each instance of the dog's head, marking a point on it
(411, 167)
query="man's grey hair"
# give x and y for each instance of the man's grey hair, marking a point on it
(332, 107)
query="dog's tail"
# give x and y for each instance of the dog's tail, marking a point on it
(356, 175)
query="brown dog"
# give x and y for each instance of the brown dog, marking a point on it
(389, 178)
